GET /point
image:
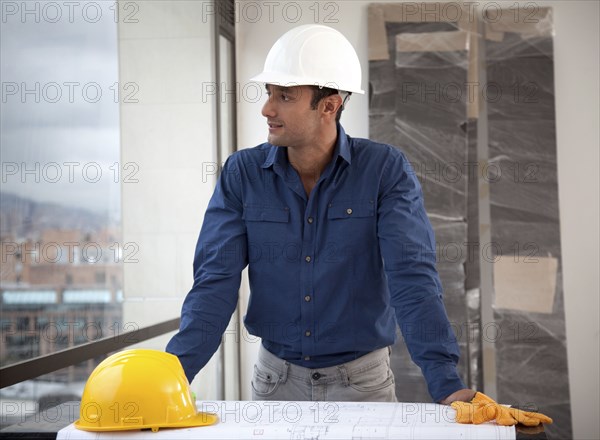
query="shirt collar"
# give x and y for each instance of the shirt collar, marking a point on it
(342, 148)
(275, 155)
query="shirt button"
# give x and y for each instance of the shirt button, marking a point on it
(307, 298)
(307, 358)
(309, 219)
(307, 259)
(349, 211)
(316, 376)
(307, 333)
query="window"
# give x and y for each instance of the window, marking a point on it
(60, 195)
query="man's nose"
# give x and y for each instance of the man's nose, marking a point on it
(268, 109)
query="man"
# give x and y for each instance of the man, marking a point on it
(337, 241)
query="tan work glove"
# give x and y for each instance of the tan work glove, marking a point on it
(484, 409)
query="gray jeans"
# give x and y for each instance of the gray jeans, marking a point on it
(366, 379)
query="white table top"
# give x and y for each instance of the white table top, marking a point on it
(317, 420)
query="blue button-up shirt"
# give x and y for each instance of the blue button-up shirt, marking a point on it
(330, 275)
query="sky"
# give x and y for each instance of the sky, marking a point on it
(60, 140)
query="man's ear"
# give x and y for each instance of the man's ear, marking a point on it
(331, 105)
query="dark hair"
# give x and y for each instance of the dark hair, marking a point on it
(323, 92)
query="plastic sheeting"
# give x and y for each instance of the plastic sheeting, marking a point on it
(424, 98)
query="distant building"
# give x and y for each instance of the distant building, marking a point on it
(57, 291)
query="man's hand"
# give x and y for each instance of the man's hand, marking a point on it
(464, 395)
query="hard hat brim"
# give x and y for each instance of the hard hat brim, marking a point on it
(200, 419)
(287, 80)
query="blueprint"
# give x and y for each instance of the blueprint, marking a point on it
(317, 420)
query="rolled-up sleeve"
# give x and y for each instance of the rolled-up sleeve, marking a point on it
(220, 257)
(407, 245)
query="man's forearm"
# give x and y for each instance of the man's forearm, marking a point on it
(199, 335)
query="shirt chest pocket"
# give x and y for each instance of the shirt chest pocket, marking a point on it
(266, 224)
(267, 233)
(266, 214)
(351, 210)
(352, 225)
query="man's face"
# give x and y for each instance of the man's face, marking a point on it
(291, 120)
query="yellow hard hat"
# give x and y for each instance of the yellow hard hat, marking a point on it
(139, 389)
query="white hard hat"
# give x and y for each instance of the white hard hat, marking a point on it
(313, 54)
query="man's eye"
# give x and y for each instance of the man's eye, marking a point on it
(285, 97)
